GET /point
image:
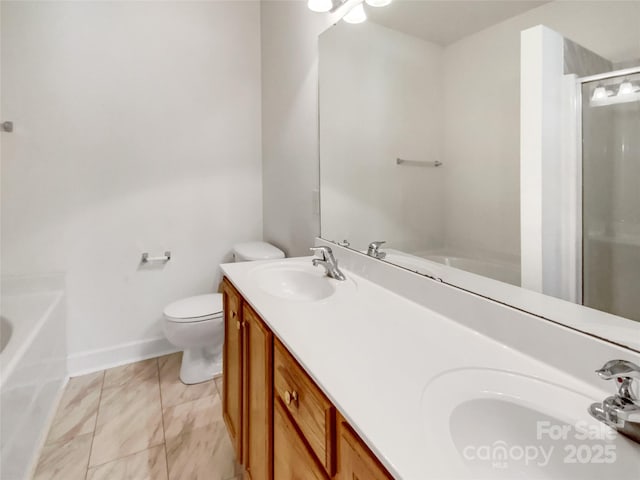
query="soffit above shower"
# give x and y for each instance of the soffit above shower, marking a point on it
(441, 22)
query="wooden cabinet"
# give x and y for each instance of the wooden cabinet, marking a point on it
(293, 459)
(247, 381)
(309, 409)
(281, 424)
(258, 411)
(355, 461)
(232, 402)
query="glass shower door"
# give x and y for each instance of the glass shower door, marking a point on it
(611, 195)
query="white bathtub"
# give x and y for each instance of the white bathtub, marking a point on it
(438, 265)
(33, 368)
(498, 270)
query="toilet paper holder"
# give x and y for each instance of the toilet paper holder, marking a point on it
(164, 258)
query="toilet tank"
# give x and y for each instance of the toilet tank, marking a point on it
(250, 251)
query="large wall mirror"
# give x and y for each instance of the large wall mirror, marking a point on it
(494, 145)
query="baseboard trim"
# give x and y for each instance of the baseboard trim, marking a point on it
(95, 360)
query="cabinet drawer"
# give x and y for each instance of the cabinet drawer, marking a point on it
(292, 460)
(312, 413)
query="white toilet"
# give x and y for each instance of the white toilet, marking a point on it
(196, 324)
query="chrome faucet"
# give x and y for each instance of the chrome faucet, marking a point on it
(374, 250)
(329, 262)
(622, 410)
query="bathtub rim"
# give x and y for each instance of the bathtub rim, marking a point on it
(13, 353)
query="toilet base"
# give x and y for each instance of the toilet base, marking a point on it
(200, 365)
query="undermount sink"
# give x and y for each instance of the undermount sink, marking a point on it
(294, 281)
(496, 424)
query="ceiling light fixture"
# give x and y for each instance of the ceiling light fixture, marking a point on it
(356, 14)
(626, 88)
(378, 3)
(600, 93)
(320, 6)
(354, 8)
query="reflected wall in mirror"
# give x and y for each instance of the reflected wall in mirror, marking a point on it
(511, 172)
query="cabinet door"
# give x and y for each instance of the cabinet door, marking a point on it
(311, 412)
(355, 461)
(232, 366)
(258, 347)
(292, 458)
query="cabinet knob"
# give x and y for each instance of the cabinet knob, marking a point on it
(238, 324)
(233, 314)
(290, 397)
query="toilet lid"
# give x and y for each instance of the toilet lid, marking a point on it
(258, 251)
(196, 307)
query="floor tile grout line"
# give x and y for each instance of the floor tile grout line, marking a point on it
(164, 433)
(95, 425)
(166, 459)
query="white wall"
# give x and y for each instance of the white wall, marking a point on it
(137, 129)
(481, 141)
(290, 123)
(367, 120)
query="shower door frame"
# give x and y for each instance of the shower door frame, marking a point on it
(575, 206)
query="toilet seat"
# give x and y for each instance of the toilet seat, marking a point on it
(195, 309)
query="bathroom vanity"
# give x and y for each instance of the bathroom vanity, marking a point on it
(392, 375)
(280, 422)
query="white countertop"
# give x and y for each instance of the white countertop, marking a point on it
(375, 355)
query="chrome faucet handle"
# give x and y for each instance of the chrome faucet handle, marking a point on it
(621, 411)
(328, 261)
(619, 369)
(373, 250)
(624, 372)
(325, 251)
(374, 247)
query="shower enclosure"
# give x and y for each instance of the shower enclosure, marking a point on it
(611, 192)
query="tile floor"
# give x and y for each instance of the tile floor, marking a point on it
(139, 422)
